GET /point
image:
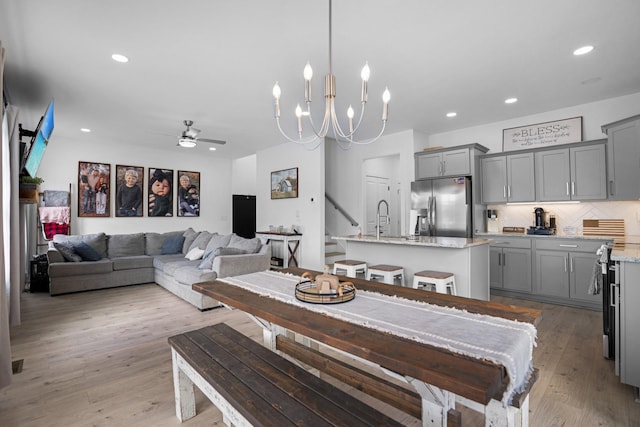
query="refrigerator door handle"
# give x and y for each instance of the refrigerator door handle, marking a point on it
(432, 217)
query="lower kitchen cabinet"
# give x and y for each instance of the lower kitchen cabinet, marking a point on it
(547, 269)
(510, 265)
(564, 270)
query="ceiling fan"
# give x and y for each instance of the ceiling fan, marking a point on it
(189, 137)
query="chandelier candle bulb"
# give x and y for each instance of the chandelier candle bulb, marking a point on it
(366, 72)
(308, 73)
(350, 116)
(299, 116)
(276, 96)
(386, 97)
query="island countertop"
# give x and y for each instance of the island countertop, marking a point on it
(428, 241)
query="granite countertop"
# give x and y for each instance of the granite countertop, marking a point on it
(627, 250)
(438, 242)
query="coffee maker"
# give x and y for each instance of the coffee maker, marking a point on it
(540, 221)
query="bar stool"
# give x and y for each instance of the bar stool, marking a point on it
(444, 283)
(387, 272)
(350, 266)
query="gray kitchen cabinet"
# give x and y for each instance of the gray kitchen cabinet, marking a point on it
(508, 178)
(623, 158)
(445, 163)
(510, 264)
(564, 268)
(628, 338)
(574, 173)
(452, 161)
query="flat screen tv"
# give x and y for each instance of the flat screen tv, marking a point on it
(39, 142)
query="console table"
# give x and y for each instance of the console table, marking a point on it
(291, 242)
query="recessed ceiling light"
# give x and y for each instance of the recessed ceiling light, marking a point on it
(85, 130)
(583, 50)
(119, 58)
(452, 114)
(510, 100)
(212, 148)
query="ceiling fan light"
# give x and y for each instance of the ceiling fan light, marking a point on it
(187, 143)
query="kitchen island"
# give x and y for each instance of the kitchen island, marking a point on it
(468, 259)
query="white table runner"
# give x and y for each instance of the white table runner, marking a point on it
(505, 342)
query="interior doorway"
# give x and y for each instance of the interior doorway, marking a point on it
(381, 181)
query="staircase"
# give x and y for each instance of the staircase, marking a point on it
(332, 251)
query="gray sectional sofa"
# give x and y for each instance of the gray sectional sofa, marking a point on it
(174, 260)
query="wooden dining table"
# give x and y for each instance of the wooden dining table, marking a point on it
(441, 377)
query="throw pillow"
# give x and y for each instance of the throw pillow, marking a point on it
(194, 254)
(189, 237)
(207, 260)
(217, 241)
(86, 252)
(172, 245)
(202, 240)
(67, 252)
(251, 246)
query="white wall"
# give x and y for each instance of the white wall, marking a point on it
(243, 175)
(307, 210)
(344, 174)
(60, 167)
(594, 115)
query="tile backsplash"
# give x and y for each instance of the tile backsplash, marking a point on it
(571, 214)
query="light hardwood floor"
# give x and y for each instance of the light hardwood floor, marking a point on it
(101, 358)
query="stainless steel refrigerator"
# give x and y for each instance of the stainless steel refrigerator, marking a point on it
(442, 207)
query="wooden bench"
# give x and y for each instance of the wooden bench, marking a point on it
(252, 385)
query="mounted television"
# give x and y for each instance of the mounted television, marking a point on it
(40, 140)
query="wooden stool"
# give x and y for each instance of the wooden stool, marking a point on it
(387, 272)
(444, 283)
(350, 266)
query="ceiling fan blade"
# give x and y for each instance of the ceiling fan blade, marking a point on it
(213, 141)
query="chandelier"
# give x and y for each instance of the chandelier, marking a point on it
(344, 137)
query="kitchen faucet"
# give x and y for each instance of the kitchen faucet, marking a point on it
(387, 219)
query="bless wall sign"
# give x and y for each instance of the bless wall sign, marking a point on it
(542, 134)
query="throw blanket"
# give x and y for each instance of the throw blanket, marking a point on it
(502, 341)
(56, 198)
(58, 215)
(52, 228)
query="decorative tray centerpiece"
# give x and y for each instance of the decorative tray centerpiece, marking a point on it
(324, 289)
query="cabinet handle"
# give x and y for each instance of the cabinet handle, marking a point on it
(499, 259)
(444, 166)
(509, 191)
(571, 265)
(567, 188)
(611, 188)
(504, 191)
(568, 246)
(565, 264)
(504, 259)
(573, 188)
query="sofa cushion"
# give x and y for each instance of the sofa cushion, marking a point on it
(189, 236)
(86, 252)
(190, 275)
(63, 269)
(172, 245)
(132, 262)
(251, 246)
(202, 240)
(122, 245)
(159, 261)
(155, 241)
(97, 241)
(66, 249)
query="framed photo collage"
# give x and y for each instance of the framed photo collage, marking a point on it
(133, 187)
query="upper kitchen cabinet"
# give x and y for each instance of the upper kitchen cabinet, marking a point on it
(573, 173)
(454, 161)
(508, 178)
(623, 151)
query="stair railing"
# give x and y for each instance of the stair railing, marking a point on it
(341, 210)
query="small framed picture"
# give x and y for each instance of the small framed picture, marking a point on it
(160, 195)
(284, 184)
(94, 191)
(129, 189)
(188, 201)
